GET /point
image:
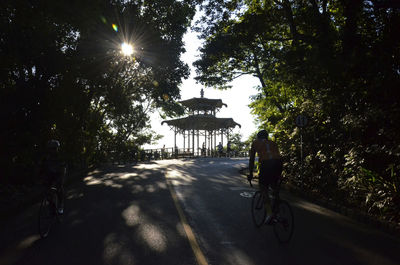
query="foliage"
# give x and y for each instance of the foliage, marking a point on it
(62, 76)
(236, 142)
(337, 62)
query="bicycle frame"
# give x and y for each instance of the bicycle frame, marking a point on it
(282, 225)
(48, 211)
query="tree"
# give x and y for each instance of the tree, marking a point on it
(336, 62)
(62, 76)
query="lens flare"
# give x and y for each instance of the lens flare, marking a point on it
(115, 27)
(126, 49)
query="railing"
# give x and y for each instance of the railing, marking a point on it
(170, 153)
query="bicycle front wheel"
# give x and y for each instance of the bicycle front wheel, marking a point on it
(284, 222)
(258, 210)
(47, 216)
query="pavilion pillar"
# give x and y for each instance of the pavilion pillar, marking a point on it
(174, 149)
(184, 140)
(198, 136)
(205, 142)
(188, 139)
(211, 143)
(215, 140)
(193, 142)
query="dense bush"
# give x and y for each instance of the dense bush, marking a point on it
(337, 62)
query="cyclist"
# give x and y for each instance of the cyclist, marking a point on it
(53, 171)
(270, 166)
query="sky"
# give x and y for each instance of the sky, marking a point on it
(237, 99)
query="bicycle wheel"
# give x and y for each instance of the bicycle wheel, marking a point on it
(47, 216)
(284, 222)
(258, 210)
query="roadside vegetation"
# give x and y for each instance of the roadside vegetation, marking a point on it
(63, 76)
(337, 63)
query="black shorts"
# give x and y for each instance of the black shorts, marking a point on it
(270, 171)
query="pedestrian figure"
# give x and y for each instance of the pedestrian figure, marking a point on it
(228, 149)
(220, 148)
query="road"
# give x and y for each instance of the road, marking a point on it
(185, 212)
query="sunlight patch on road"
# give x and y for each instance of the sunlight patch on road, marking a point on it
(137, 189)
(314, 208)
(154, 237)
(161, 185)
(150, 188)
(177, 177)
(11, 254)
(75, 196)
(149, 233)
(92, 181)
(147, 166)
(131, 215)
(128, 175)
(176, 162)
(236, 256)
(106, 180)
(111, 183)
(27, 242)
(115, 251)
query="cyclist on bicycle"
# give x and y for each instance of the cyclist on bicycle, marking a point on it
(53, 171)
(270, 166)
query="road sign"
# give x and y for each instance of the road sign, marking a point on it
(301, 121)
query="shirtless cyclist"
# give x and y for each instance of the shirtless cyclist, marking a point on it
(270, 166)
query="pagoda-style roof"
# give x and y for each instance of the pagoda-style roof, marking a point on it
(202, 122)
(202, 104)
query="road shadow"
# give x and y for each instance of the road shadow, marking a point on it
(116, 215)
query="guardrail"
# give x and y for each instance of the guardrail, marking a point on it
(170, 153)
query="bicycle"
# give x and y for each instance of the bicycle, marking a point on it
(48, 211)
(282, 217)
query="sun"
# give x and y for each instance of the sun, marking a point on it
(126, 49)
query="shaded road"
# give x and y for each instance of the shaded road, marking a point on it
(126, 215)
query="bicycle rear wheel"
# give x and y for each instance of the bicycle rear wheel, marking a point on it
(284, 222)
(258, 210)
(47, 217)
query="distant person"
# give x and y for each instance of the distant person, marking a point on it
(163, 152)
(53, 171)
(270, 166)
(220, 149)
(203, 149)
(228, 149)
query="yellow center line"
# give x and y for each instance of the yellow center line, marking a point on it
(201, 259)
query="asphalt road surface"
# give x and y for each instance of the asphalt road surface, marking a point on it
(185, 212)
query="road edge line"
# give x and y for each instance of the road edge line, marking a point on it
(200, 258)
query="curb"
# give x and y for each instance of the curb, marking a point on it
(355, 214)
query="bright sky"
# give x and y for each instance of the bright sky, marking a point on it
(237, 98)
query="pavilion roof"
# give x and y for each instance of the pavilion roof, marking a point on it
(202, 103)
(202, 122)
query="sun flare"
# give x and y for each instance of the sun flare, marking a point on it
(126, 49)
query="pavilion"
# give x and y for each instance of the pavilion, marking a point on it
(201, 123)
